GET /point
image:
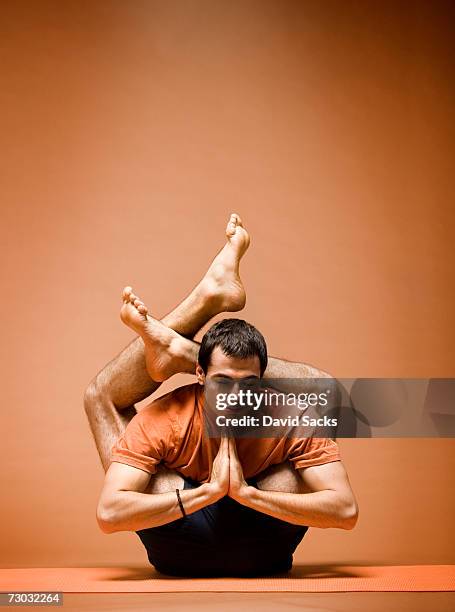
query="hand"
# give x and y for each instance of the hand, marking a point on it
(237, 483)
(219, 478)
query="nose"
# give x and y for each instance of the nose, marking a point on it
(235, 387)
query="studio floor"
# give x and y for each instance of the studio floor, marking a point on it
(308, 587)
(265, 602)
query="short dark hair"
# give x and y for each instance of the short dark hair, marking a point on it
(236, 338)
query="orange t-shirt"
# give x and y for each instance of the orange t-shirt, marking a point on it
(170, 430)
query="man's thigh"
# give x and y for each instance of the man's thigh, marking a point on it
(282, 477)
(164, 480)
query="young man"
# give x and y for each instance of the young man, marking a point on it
(207, 506)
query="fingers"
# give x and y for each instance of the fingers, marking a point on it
(223, 451)
(224, 445)
(228, 448)
(232, 448)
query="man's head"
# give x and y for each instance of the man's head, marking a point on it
(232, 349)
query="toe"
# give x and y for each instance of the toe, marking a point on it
(126, 294)
(231, 226)
(142, 308)
(239, 220)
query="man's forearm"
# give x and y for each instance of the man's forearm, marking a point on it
(132, 511)
(319, 509)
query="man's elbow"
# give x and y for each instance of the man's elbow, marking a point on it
(349, 515)
(107, 519)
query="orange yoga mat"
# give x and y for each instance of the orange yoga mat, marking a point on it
(310, 579)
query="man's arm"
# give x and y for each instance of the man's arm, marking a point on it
(123, 506)
(331, 502)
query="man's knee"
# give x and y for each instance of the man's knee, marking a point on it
(97, 400)
(164, 480)
(281, 477)
(91, 396)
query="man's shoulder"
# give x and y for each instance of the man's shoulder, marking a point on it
(179, 400)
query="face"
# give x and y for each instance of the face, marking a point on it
(226, 376)
(224, 369)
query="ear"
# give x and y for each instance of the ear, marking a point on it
(200, 375)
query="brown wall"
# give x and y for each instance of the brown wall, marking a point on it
(130, 131)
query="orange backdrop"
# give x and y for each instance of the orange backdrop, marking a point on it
(130, 131)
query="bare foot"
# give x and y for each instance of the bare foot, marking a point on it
(221, 282)
(166, 352)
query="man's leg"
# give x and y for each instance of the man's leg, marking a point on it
(281, 477)
(109, 399)
(280, 368)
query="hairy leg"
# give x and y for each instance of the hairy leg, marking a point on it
(168, 352)
(164, 481)
(109, 399)
(281, 477)
(298, 377)
(280, 368)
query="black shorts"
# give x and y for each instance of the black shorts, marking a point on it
(222, 539)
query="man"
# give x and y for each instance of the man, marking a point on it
(207, 506)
